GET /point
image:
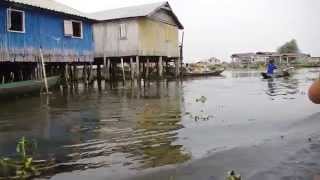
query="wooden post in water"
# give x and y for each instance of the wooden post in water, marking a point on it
(105, 67)
(176, 61)
(160, 67)
(70, 73)
(137, 67)
(108, 69)
(132, 68)
(123, 73)
(44, 72)
(66, 74)
(99, 72)
(90, 74)
(75, 73)
(147, 68)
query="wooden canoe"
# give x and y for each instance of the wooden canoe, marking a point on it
(283, 74)
(24, 87)
(207, 73)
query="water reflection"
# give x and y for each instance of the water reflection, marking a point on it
(282, 88)
(85, 127)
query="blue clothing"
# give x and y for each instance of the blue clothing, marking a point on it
(271, 68)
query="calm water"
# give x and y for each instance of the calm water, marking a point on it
(129, 129)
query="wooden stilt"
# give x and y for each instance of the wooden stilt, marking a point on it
(84, 74)
(147, 68)
(66, 74)
(75, 73)
(71, 77)
(105, 68)
(160, 67)
(99, 72)
(132, 68)
(123, 73)
(108, 69)
(137, 67)
(177, 68)
(90, 74)
(44, 72)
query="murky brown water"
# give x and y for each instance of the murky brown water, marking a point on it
(126, 128)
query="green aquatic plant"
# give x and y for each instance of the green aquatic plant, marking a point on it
(25, 148)
(23, 167)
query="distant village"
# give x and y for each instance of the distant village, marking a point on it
(260, 59)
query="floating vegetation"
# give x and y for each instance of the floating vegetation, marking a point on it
(24, 166)
(202, 99)
(201, 115)
(233, 176)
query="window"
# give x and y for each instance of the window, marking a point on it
(123, 31)
(16, 20)
(73, 28)
(77, 29)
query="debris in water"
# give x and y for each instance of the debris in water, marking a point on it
(233, 176)
(202, 99)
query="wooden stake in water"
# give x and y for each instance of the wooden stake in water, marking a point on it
(44, 72)
(123, 73)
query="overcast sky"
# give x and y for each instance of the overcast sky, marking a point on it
(221, 27)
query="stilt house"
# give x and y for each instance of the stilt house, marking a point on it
(63, 33)
(139, 35)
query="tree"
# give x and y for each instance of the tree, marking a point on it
(289, 47)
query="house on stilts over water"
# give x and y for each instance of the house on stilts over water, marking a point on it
(145, 38)
(31, 29)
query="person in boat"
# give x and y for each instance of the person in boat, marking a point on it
(271, 67)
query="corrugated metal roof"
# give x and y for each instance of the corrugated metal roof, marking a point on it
(51, 5)
(127, 12)
(134, 11)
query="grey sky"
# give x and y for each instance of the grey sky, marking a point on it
(222, 27)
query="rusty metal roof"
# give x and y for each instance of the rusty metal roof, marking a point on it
(52, 6)
(134, 11)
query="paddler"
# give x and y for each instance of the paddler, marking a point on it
(271, 67)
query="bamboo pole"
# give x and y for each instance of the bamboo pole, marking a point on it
(44, 72)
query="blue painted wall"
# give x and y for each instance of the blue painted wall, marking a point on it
(44, 29)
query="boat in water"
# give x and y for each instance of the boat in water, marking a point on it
(280, 74)
(204, 73)
(25, 87)
(267, 76)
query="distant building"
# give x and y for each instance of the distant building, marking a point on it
(264, 57)
(243, 58)
(314, 60)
